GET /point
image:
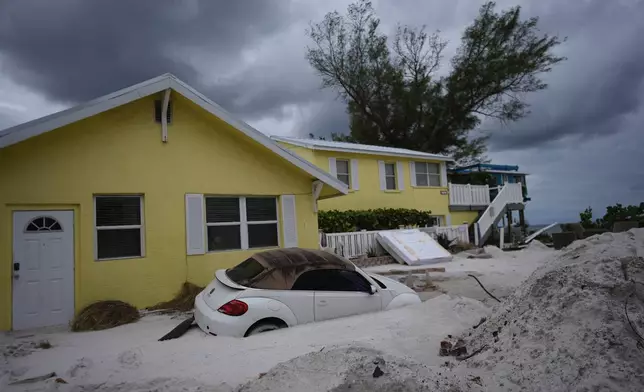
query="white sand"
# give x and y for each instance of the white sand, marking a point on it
(501, 275)
(131, 358)
(130, 354)
(564, 329)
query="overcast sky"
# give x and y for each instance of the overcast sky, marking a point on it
(583, 143)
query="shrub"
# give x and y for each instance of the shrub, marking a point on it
(335, 221)
(443, 241)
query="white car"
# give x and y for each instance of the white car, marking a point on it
(285, 287)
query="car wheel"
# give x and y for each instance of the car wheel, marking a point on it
(263, 327)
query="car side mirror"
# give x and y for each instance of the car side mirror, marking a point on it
(372, 290)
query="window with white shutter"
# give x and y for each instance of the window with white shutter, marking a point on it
(119, 227)
(241, 223)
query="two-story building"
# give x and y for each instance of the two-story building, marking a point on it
(387, 177)
(379, 177)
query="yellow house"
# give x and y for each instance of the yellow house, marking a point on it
(379, 177)
(130, 195)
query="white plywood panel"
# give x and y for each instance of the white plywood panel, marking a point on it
(413, 247)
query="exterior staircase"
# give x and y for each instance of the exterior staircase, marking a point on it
(510, 197)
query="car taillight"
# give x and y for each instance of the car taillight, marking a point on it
(234, 308)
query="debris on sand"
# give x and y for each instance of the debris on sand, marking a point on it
(32, 380)
(183, 301)
(103, 315)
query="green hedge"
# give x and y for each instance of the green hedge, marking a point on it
(335, 221)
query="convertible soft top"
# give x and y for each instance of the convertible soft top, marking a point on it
(278, 269)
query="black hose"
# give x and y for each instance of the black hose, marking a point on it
(483, 287)
(640, 340)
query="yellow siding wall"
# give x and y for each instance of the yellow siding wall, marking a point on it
(458, 217)
(369, 194)
(305, 153)
(120, 152)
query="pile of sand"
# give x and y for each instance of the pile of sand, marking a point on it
(349, 369)
(564, 329)
(537, 245)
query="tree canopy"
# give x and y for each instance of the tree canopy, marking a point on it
(616, 213)
(393, 90)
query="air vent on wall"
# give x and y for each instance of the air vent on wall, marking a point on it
(158, 109)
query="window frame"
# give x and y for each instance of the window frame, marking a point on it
(428, 174)
(395, 176)
(336, 271)
(140, 226)
(348, 173)
(243, 223)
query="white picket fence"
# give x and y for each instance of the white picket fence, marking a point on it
(358, 243)
(352, 244)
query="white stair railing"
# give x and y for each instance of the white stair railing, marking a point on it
(509, 194)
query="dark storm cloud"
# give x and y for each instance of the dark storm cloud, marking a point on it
(75, 50)
(597, 87)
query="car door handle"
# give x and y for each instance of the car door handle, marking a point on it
(322, 302)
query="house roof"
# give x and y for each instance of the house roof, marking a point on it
(45, 124)
(488, 168)
(327, 145)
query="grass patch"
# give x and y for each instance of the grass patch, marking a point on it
(183, 301)
(103, 315)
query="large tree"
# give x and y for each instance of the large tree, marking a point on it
(394, 94)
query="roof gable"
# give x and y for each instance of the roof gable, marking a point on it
(327, 145)
(57, 120)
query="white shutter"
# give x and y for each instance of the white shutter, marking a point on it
(412, 173)
(443, 168)
(355, 183)
(332, 167)
(289, 221)
(195, 225)
(400, 176)
(381, 174)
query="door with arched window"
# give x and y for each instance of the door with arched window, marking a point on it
(43, 268)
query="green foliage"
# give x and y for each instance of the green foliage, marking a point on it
(443, 241)
(586, 218)
(335, 221)
(394, 94)
(616, 213)
(619, 213)
(474, 178)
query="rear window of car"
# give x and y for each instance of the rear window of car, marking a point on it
(245, 271)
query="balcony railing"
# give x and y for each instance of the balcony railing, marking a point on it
(469, 195)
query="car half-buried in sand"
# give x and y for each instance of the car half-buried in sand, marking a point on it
(285, 287)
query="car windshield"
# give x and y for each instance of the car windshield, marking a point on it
(245, 271)
(382, 285)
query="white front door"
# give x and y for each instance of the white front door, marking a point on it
(43, 268)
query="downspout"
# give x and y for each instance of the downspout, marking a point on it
(317, 189)
(164, 116)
